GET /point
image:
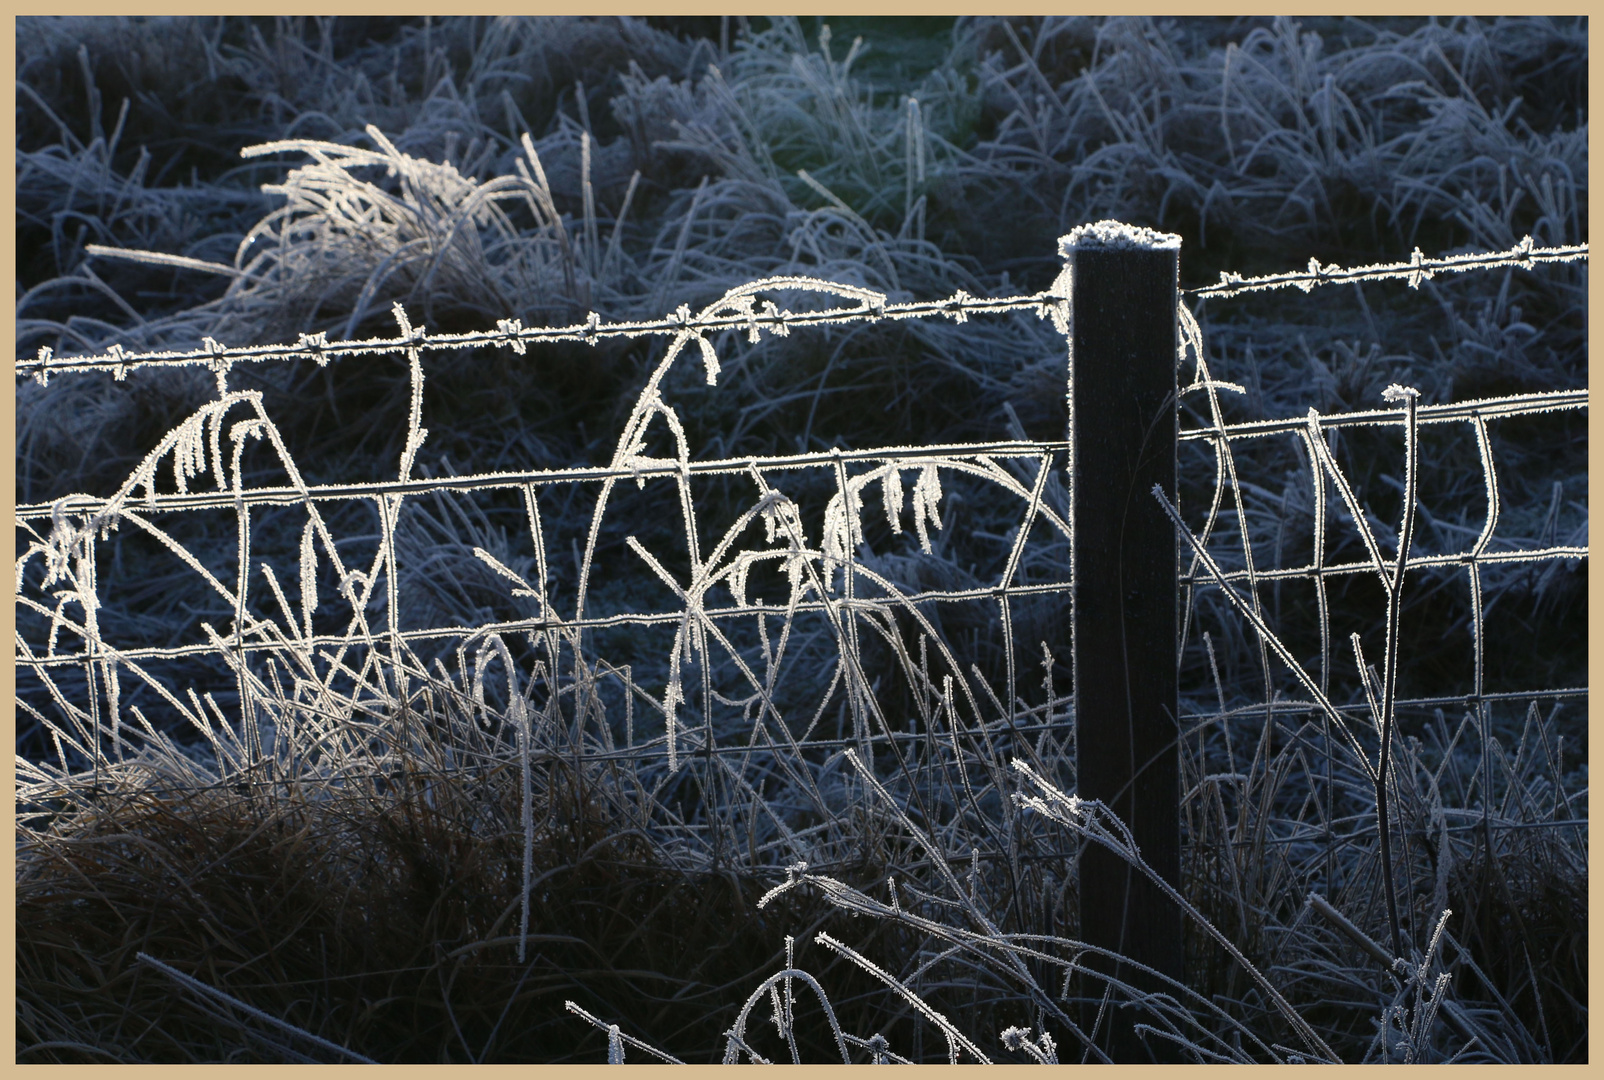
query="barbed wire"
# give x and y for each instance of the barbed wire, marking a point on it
(1419, 268)
(510, 333)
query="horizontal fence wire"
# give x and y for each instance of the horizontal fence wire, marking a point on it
(745, 316)
(1485, 408)
(730, 313)
(640, 467)
(1525, 254)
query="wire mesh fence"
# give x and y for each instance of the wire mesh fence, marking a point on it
(816, 661)
(841, 587)
(730, 626)
(823, 575)
(707, 620)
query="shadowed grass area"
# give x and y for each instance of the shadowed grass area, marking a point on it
(380, 912)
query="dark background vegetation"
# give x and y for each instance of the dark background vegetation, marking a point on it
(1262, 142)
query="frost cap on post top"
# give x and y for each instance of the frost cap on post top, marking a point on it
(1117, 235)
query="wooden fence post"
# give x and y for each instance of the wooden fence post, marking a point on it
(1122, 434)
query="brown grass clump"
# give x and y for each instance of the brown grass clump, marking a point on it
(380, 913)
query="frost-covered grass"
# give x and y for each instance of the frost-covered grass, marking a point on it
(418, 853)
